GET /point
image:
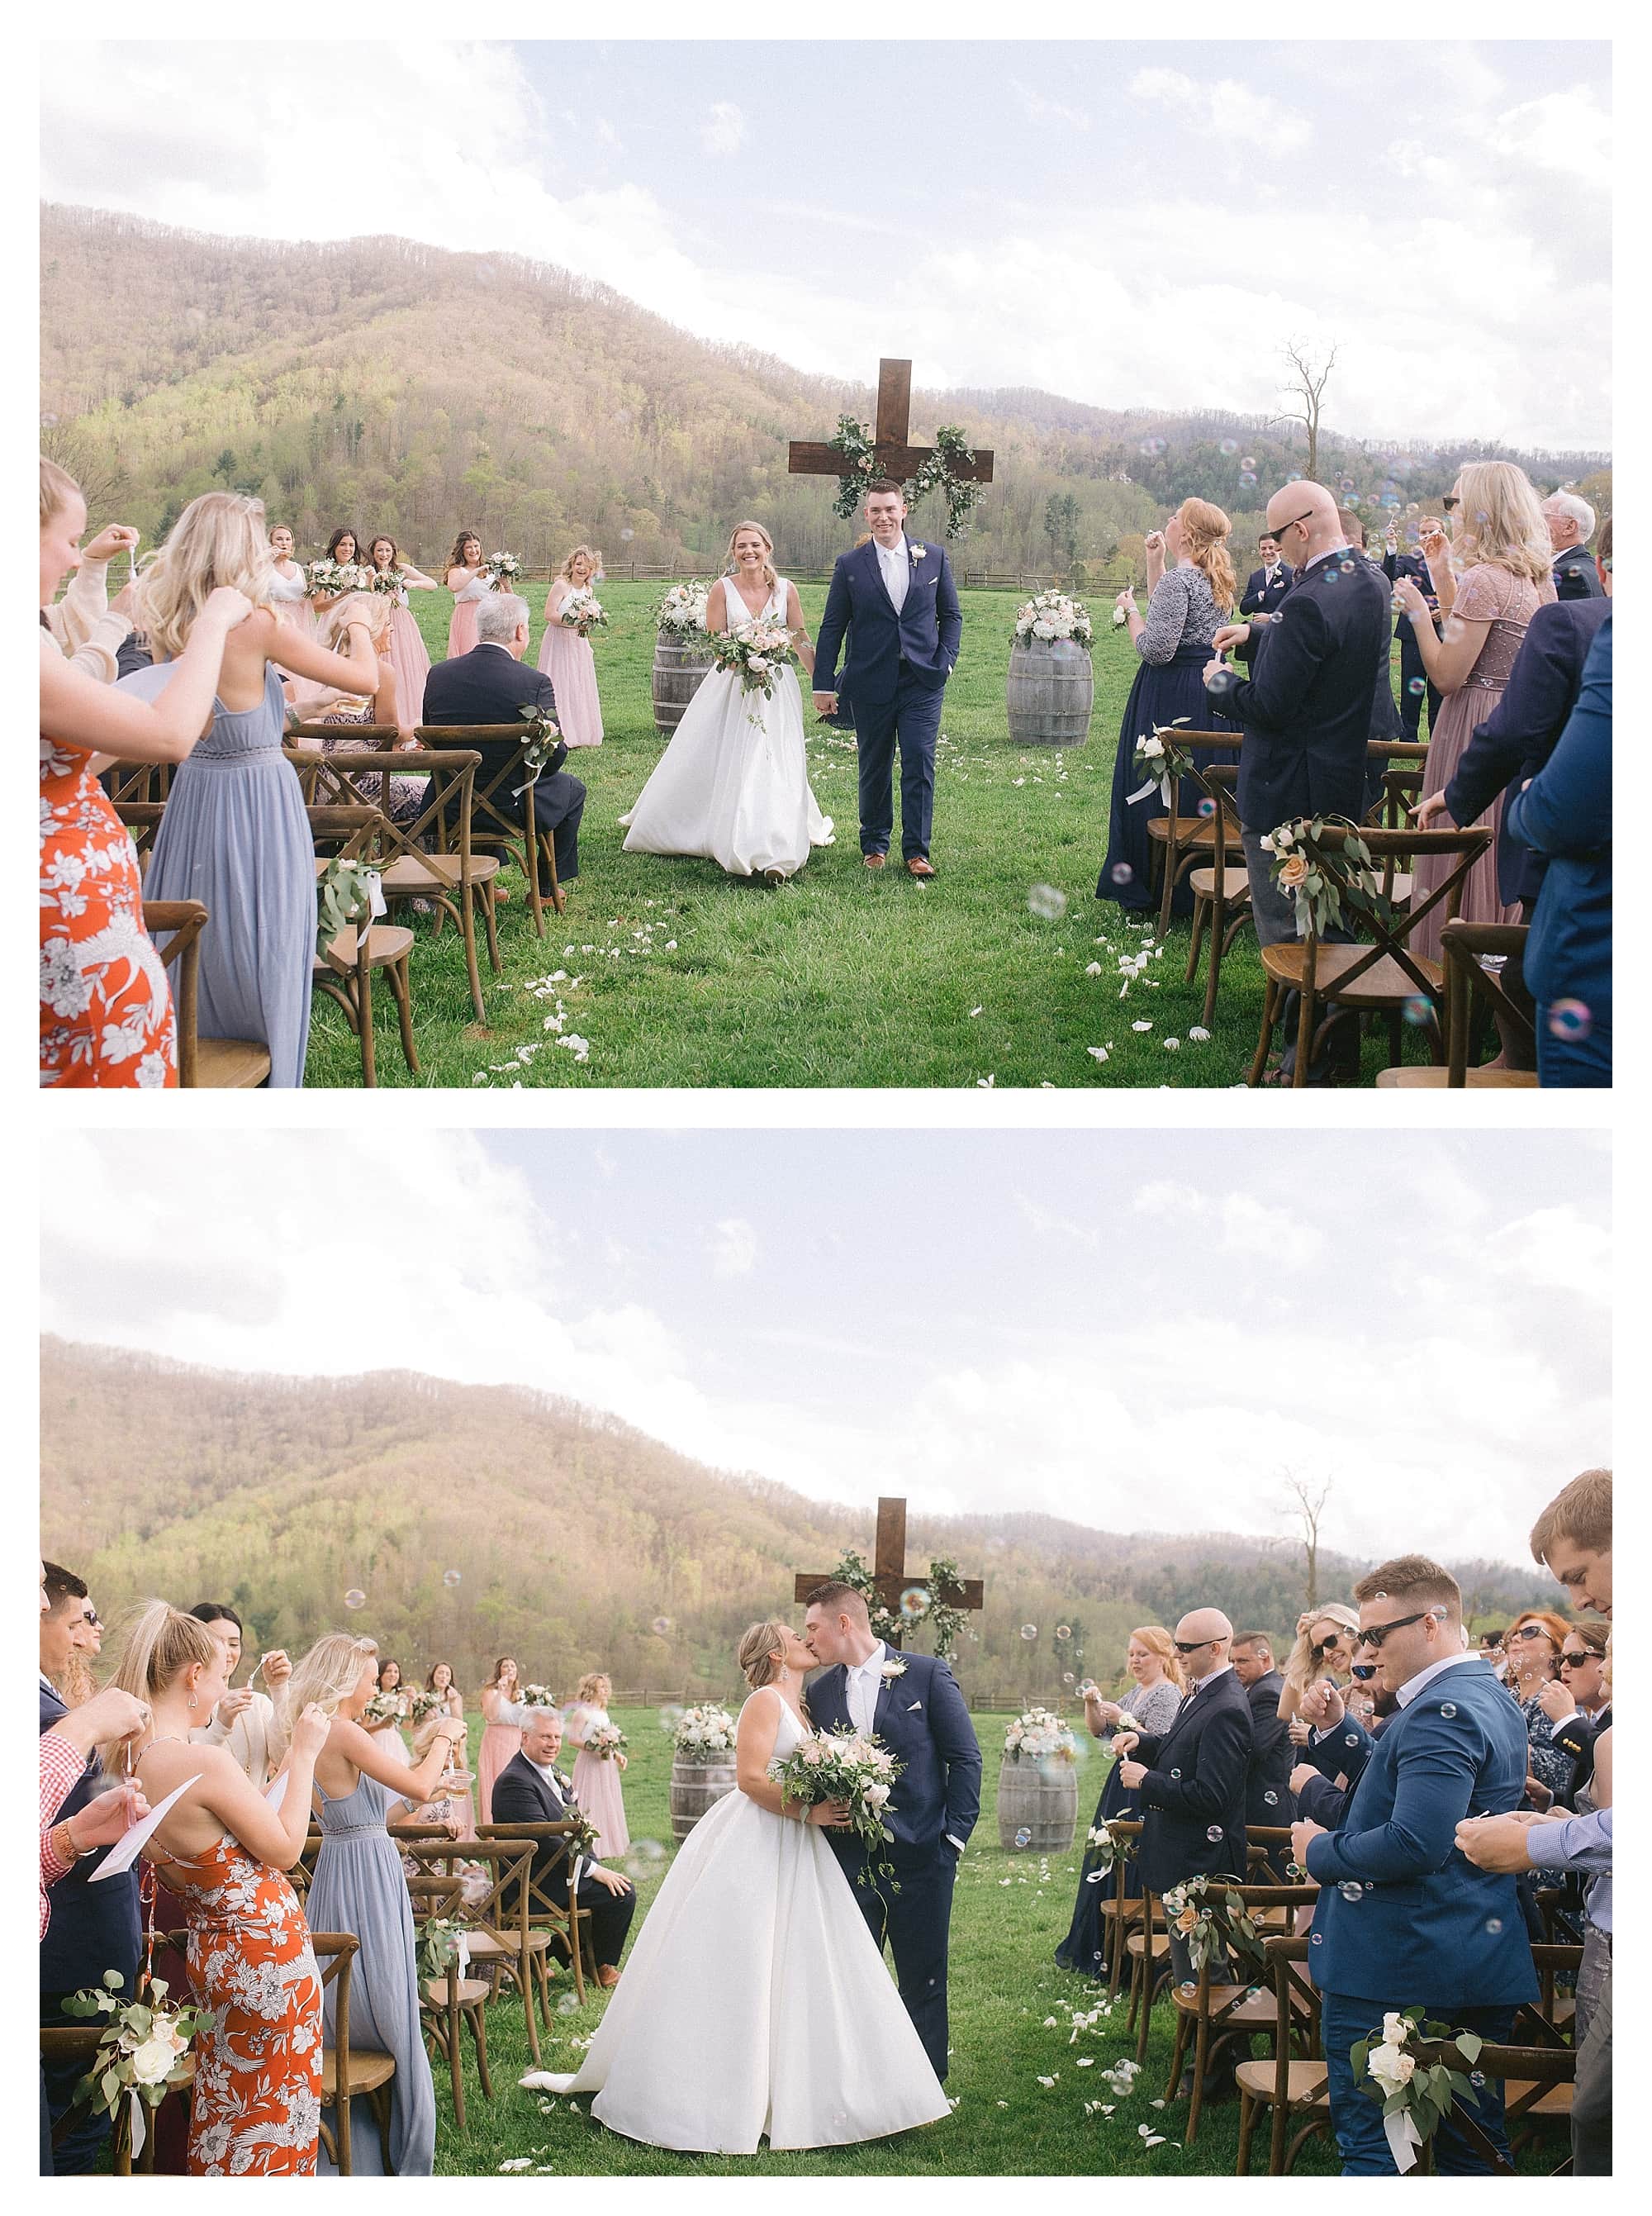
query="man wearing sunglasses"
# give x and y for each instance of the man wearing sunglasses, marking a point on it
(1402, 1919)
(1345, 1732)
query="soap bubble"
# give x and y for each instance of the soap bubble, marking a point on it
(647, 1850)
(1351, 1739)
(1247, 477)
(1350, 1890)
(1418, 686)
(1122, 873)
(1417, 1010)
(1175, 1773)
(1448, 1709)
(1569, 1019)
(1380, 1595)
(1345, 484)
(1229, 445)
(451, 1576)
(48, 421)
(1066, 1678)
(670, 1717)
(661, 1626)
(1214, 1834)
(1029, 1631)
(1316, 1938)
(1207, 806)
(627, 534)
(1045, 901)
(1220, 682)
(1271, 1799)
(1494, 1925)
(1152, 445)
(1064, 1631)
(355, 1597)
(1023, 1837)
(567, 2005)
(1348, 567)
(1247, 462)
(914, 1601)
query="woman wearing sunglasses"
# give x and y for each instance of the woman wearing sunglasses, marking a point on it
(1578, 1705)
(1533, 1644)
(1325, 1640)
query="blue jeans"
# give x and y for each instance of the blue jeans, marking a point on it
(1358, 2120)
(912, 718)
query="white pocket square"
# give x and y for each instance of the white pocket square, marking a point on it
(916, 1709)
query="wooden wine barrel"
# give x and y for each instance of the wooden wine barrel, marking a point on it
(679, 670)
(1049, 692)
(694, 1785)
(1041, 1800)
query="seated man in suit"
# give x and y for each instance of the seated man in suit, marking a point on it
(530, 1789)
(1403, 1917)
(1571, 526)
(1268, 586)
(489, 685)
(1267, 1799)
(1414, 684)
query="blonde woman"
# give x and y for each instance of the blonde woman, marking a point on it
(732, 784)
(1192, 597)
(567, 659)
(756, 1960)
(1151, 1701)
(235, 833)
(1498, 574)
(359, 1887)
(224, 1851)
(1325, 1641)
(596, 1778)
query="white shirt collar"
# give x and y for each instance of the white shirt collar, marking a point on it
(897, 552)
(1409, 1691)
(1211, 1680)
(547, 1770)
(873, 1663)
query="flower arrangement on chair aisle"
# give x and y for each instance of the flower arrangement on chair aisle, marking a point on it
(141, 2054)
(1415, 2096)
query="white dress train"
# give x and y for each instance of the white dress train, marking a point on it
(732, 784)
(755, 2001)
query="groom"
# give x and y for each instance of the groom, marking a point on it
(911, 1702)
(895, 597)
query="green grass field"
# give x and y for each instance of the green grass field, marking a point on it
(678, 976)
(1009, 1911)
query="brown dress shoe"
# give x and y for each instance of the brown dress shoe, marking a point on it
(918, 867)
(607, 1975)
(874, 861)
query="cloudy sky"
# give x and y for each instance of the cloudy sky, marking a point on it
(1130, 1329)
(1121, 221)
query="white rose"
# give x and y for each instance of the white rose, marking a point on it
(1395, 2030)
(1391, 2067)
(152, 2062)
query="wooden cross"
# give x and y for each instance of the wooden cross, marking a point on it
(813, 458)
(889, 1569)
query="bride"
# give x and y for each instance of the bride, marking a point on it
(733, 783)
(756, 1999)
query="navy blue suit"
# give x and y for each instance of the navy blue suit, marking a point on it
(1519, 737)
(893, 677)
(93, 1928)
(489, 685)
(1266, 589)
(1415, 683)
(1343, 1752)
(1576, 577)
(1197, 1774)
(1268, 1782)
(1402, 1916)
(1565, 813)
(922, 1719)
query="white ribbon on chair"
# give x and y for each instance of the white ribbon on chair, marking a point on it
(137, 2127)
(1403, 2140)
(1141, 792)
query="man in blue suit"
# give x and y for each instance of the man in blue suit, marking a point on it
(1414, 687)
(912, 1704)
(895, 599)
(1268, 586)
(1403, 1917)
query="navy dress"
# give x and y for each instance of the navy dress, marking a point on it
(1082, 1949)
(1182, 618)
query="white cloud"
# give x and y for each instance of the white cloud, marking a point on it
(1238, 118)
(1276, 1239)
(1039, 107)
(733, 1249)
(725, 131)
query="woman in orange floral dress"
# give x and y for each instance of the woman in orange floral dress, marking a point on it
(256, 2102)
(106, 1008)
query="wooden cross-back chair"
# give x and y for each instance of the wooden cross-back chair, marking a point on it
(570, 1925)
(1469, 985)
(502, 815)
(1293, 2081)
(1537, 2084)
(414, 861)
(143, 820)
(1547, 2020)
(1215, 2011)
(1182, 839)
(452, 2003)
(79, 2043)
(215, 1064)
(503, 1941)
(1120, 1912)
(1378, 973)
(344, 970)
(138, 781)
(1219, 879)
(1148, 1949)
(348, 2072)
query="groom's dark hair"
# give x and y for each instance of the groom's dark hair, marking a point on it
(886, 484)
(838, 1598)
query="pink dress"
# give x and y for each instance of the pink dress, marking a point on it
(568, 661)
(461, 632)
(1484, 594)
(596, 1788)
(500, 1742)
(409, 658)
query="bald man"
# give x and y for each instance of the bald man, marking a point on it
(1190, 1781)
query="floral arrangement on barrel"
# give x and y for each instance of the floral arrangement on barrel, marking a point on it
(845, 1766)
(503, 572)
(682, 612)
(141, 2054)
(582, 612)
(1051, 616)
(701, 1733)
(1040, 1735)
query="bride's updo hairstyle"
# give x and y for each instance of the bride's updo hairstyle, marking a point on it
(769, 570)
(762, 1652)
(1203, 533)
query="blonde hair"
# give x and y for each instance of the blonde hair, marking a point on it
(758, 1652)
(1155, 1637)
(58, 488)
(162, 1642)
(1203, 533)
(1299, 1667)
(220, 539)
(596, 1688)
(768, 571)
(592, 560)
(330, 1671)
(373, 609)
(1503, 521)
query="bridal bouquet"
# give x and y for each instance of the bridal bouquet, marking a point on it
(388, 580)
(329, 580)
(1051, 616)
(141, 2052)
(756, 653)
(536, 1696)
(842, 1766)
(581, 612)
(426, 1705)
(501, 571)
(699, 1734)
(1040, 1736)
(683, 609)
(604, 1740)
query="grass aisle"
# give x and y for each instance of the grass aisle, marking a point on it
(678, 976)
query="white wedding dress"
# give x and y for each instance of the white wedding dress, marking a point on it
(756, 2000)
(732, 784)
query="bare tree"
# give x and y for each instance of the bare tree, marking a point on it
(1305, 1503)
(101, 480)
(1305, 380)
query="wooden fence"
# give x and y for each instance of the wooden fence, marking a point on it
(986, 580)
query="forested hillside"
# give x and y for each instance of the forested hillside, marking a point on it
(399, 388)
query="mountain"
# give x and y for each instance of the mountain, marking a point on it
(573, 1536)
(399, 388)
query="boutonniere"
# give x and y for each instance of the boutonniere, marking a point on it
(891, 1671)
(915, 553)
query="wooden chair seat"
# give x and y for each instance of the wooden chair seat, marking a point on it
(1188, 836)
(386, 943)
(410, 875)
(1235, 883)
(369, 2069)
(1553, 2101)
(235, 1065)
(1382, 984)
(1409, 1077)
(1306, 2083)
(471, 1991)
(1137, 1941)
(1233, 2007)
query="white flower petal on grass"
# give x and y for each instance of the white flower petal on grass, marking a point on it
(974, 1012)
(1197, 1031)
(1092, 970)
(1171, 1046)
(1145, 1024)
(1099, 1053)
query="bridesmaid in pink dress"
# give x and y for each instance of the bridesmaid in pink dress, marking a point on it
(501, 1738)
(596, 1777)
(340, 548)
(465, 582)
(1503, 540)
(408, 656)
(567, 659)
(289, 591)
(451, 1801)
